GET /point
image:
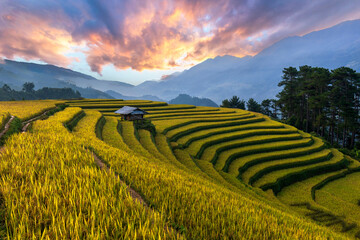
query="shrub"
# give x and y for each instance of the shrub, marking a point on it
(145, 124)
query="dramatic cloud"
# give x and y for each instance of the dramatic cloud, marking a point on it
(157, 34)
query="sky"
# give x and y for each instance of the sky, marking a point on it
(137, 40)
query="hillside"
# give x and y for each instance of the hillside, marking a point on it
(117, 95)
(257, 77)
(15, 74)
(207, 173)
(186, 99)
(7, 94)
(218, 78)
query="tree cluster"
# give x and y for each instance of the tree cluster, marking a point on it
(326, 102)
(28, 93)
(315, 99)
(265, 107)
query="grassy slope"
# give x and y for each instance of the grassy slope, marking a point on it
(189, 194)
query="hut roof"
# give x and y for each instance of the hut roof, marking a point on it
(130, 110)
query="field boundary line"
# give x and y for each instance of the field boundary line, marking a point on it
(7, 126)
(332, 178)
(26, 124)
(103, 166)
(38, 116)
(133, 194)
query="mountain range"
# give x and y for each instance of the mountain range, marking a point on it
(15, 74)
(258, 76)
(186, 99)
(218, 78)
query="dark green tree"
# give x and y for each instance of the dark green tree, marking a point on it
(344, 91)
(28, 87)
(275, 107)
(266, 107)
(225, 103)
(6, 88)
(315, 99)
(288, 97)
(234, 102)
(318, 98)
(303, 115)
(254, 106)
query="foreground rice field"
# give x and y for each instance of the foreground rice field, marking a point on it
(207, 173)
(27, 109)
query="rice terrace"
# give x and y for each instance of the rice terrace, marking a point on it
(179, 119)
(184, 172)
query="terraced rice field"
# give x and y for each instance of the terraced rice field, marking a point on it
(212, 173)
(25, 110)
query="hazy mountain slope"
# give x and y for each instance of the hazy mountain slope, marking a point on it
(258, 76)
(15, 74)
(193, 81)
(186, 99)
(145, 97)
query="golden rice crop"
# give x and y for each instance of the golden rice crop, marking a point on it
(200, 124)
(197, 207)
(218, 148)
(127, 131)
(188, 162)
(169, 107)
(342, 197)
(196, 204)
(148, 143)
(320, 155)
(208, 168)
(191, 115)
(52, 123)
(271, 177)
(301, 191)
(190, 110)
(117, 105)
(195, 146)
(106, 101)
(199, 117)
(51, 189)
(170, 124)
(227, 129)
(27, 109)
(163, 147)
(111, 135)
(273, 150)
(93, 100)
(4, 116)
(203, 117)
(197, 111)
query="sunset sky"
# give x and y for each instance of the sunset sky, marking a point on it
(137, 40)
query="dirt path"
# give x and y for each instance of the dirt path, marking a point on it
(7, 126)
(135, 196)
(27, 123)
(100, 163)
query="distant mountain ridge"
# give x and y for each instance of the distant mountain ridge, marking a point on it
(186, 99)
(257, 77)
(217, 79)
(15, 74)
(144, 97)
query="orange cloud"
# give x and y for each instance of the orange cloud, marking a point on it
(29, 37)
(156, 34)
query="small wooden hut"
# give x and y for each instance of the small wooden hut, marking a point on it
(131, 113)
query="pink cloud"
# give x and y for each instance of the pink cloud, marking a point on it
(157, 34)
